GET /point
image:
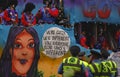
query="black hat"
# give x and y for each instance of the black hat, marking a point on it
(49, 1)
(3, 4)
(12, 2)
(74, 50)
(95, 52)
(105, 53)
(29, 7)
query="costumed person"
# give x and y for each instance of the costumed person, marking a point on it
(47, 14)
(101, 40)
(117, 37)
(21, 53)
(10, 14)
(72, 65)
(27, 18)
(83, 40)
(54, 12)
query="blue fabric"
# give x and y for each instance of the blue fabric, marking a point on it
(96, 50)
(46, 17)
(60, 69)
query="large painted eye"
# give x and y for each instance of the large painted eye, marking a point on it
(17, 46)
(31, 45)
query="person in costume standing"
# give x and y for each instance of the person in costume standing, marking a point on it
(47, 14)
(10, 14)
(27, 18)
(83, 39)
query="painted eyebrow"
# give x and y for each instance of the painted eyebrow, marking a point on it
(18, 39)
(30, 39)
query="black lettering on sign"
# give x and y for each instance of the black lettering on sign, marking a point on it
(48, 43)
(54, 52)
(57, 47)
(47, 38)
(48, 47)
(60, 43)
(60, 32)
(50, 32)
(60, 38)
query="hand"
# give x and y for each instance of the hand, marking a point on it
(13, 20)
(47, 8)
(30, 24)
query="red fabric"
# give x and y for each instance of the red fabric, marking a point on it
(34, 21)
(104, 44)
(103, 14)
(117, 35)
(23, 20)
(7, 18)
(25, 23)
(38, 15)
(92, 41)
(0, 20)
(83, 42)
(17, 20)
(54, 13)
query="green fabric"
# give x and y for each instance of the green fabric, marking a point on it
(70, 65)
(95, 69)
(69, 73)
(112, 66)
(105, 72)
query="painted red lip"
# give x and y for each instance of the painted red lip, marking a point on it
(23, 61)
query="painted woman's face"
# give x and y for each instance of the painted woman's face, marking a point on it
(23, 53)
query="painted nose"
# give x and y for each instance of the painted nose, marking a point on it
(24, 53)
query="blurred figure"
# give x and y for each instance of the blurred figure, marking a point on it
(101, 40)
(54, 12)
(28, 19)
(72, 64)
(10, 15)
(108, 66)
(2, 8)
(47, 14)
(1, 15)
(81, 56)
(117, 37)
(83, 39)
(94, 63)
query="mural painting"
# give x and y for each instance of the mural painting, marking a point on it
(36, 34)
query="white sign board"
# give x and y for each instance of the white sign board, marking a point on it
(116, 57)
(56, 42)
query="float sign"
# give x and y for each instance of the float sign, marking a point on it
(56, 42)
